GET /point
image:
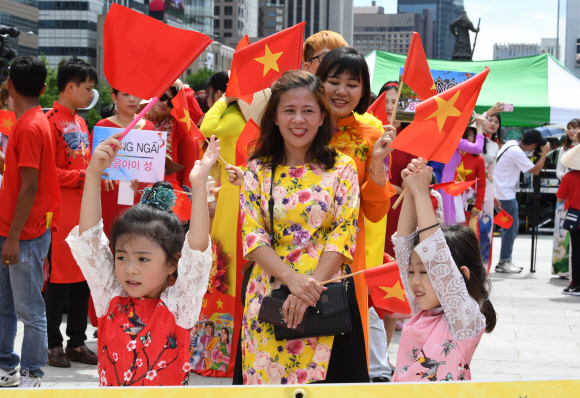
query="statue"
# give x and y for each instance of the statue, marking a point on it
(462, 50)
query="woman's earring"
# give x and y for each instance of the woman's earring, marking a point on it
(116, 108)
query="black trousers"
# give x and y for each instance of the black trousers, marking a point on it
(348, 360)
(575, 271)
(75, 296)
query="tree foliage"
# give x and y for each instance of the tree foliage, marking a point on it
(197, 80)
(51, 91)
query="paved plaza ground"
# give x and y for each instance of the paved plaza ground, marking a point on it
(537, 334)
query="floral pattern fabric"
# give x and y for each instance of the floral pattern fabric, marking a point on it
(315, 210)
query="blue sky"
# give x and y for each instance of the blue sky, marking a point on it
(502, 21)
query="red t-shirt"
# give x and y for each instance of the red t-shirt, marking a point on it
(30, 145)
(570, 189)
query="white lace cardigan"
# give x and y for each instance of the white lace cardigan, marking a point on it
(92, 254)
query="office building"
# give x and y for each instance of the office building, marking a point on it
(335, 15)
(444, 12)
(71, 27)
(508, 51)
(235, 18)
(271, 17)
(548, 46)
(21, 14)
(568, 39)
(375, 30)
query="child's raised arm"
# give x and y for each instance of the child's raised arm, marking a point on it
(199, 228)
(418, 178)
(102, 157)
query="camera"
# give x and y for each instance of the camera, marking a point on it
(6, 53)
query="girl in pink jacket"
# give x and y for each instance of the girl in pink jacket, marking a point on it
(446, 285)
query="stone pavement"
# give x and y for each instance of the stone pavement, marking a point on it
(537, 334)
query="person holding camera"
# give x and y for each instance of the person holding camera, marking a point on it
(510, 158)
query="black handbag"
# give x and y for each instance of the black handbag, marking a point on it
(331, 315)
(572, 220)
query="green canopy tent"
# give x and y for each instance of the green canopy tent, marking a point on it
(540, 88)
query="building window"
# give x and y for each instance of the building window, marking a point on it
(227, 34)
(216, 10)
(272, 13)
(228, 23)
(228, 10)
(271, 23)
(216, 23)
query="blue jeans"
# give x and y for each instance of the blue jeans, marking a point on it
(20, 297)
(509, 235)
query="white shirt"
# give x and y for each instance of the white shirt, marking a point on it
(511, 161)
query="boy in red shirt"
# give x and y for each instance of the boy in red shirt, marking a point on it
(75, 81)
(569, 192)
(30, 200)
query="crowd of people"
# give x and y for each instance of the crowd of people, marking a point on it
(173, 295)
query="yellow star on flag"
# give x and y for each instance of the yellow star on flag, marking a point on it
(462, 172)
(269, 60)
(505, 219)
(433, 88)
(444, 110)
(454, 187)
(219, 303)
(186, 119)
(396, 291)
(8, 123)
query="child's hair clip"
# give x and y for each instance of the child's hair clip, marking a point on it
(162, 198)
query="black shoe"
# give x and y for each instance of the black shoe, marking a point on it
(381, 380)
(96, 333)
(572, 290)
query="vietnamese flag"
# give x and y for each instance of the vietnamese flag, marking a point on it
(233, 89)
(144, 56)
(182, 208)
(262, 63)
(7, 120)
(503, 219)
(416, 72)
(440, 121)
(386, 289)
(249, 134)
(454, 188)
(180, 112)
(379, 109)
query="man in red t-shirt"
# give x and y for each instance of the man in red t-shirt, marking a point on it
(75, 80)
(30, 200)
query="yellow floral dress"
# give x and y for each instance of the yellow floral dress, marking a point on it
(315, 210)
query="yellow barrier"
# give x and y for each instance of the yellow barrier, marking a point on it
(516, 389)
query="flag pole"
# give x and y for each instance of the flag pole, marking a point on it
(341, 278)
(138, 117)
(393, 118)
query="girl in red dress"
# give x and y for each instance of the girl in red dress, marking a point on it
(143, 323)
(127, 106)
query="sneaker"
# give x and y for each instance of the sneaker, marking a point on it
(572, 290)
(9, 377)
(29, 381)
(508, 268)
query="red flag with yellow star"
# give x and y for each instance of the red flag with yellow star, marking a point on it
(233, 89)
(379, 109)
(386, 289)
(7, 120)
(262, 63)
(440, 121)
(144, 56)
(503, 219)
(180, 112)
(248, 136)
(454, 188)
(416, 72)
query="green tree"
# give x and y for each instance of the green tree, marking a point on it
(51, 91)
(197, 80)
(92, 118)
